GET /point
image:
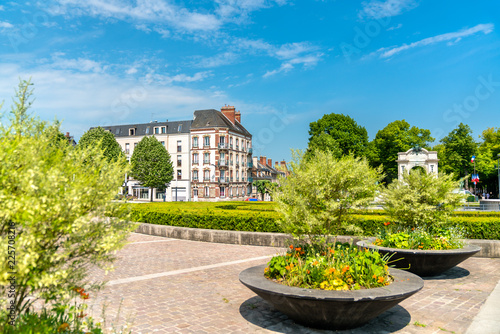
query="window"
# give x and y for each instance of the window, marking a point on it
(163, 143)
(206, 141)
(157, 130)
(237, 175)
(195, 158)
(195, 141)
(432, 168)
(179, 160)
(131, 132)
(179, 146)
(206, 175)
(195, 192)
(222, 139)
(222, 157)
(402, 169)
(237, 144)
(206, 158)
(222, 191)
(179, 128)
(135, 145)
(195, 175)
(127, 148)
(179, 174)
(160, 193)
(237, 159)
(207, 191)
(163, 129)
(147, 130)
(237, 191)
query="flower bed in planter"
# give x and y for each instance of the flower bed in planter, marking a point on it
(423, 262)
(331, 309)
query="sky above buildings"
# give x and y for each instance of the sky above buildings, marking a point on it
(282, 63)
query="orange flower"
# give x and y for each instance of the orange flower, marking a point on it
(298, 249)
(386, 223)
(288, 254)
(308, 271)
(315, 263)
(291, 246)
(374, 276)
(266, 269)
(381, 279)
(84, 295)
(331, 270)
(287, 267)
(346, 268)
(63, 327)
(78, 290)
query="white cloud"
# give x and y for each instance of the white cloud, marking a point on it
(79, 64)
(375, 9)
(158, 12)
(237, 11)
(82, 100)
(222, 59)
(452, 36)
(6, 25)
(395, 27)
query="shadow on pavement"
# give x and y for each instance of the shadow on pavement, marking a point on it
(452, 273)
(258, 312)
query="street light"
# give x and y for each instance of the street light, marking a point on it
(498, 168)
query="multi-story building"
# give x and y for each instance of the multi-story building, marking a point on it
(211, 156)
(220, 155)
(263, 170)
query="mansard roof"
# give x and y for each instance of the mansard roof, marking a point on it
(212, 118)
(146, 129)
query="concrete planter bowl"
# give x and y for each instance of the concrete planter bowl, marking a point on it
(331, 309)
(423, 263)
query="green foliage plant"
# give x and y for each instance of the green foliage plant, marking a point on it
(329, 267)
(418, 204)
(105, 140)
(321, 192)
(57, 216)
(151, 164)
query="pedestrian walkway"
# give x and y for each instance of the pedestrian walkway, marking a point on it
(163, 285)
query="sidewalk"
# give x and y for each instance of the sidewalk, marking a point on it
(178, 286)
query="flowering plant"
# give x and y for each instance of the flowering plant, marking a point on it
(329, 267)
(417, 238)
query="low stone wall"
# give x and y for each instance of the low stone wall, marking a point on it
(489, 248)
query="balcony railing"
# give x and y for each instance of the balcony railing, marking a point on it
(195, 145)
(195, 178)
(223, 163)
(195, 162)
(206, 162)
(223, 179)
(230, 162)
(230, 179)
(250, 165)
(223, 146)
(205, 178)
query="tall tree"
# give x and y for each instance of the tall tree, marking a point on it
(151, 164)
(338, 134)
(263, 187)
(397, 136)
(487, 160)
(103, 139)
(459, 146)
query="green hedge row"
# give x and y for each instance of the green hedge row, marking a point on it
(254, 217)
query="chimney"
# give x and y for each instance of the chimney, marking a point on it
(263, 160)
(67, 134)
(276, 165)
(270, 162)
(229, 112)
(237, 116)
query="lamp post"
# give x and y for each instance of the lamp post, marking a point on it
(498, 168)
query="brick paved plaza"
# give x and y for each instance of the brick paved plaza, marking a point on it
(177, 286)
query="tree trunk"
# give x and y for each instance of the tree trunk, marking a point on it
(151, 194)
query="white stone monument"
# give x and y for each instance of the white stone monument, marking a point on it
(417, 157)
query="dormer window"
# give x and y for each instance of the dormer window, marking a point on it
(131, 132)
(163, 129)
(179, 129)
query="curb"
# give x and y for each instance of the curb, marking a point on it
(489, 248)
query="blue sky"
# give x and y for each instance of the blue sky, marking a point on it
(282, 63)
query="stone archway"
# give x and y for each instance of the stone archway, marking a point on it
(417, 157)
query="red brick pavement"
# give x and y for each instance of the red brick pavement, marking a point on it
(214, 301)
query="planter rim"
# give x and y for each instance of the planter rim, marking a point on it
(404, 283)
(466, 249)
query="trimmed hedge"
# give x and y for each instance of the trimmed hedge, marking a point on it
(261, 217)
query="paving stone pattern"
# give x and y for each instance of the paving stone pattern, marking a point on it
(201, 300)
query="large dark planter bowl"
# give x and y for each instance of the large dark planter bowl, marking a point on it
(423, 262)
(331, 309)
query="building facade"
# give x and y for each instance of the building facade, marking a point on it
(211, 156)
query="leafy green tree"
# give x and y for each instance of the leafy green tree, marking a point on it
(397, 136)
(339, 134)
(319, 194)
(459, 147)
(263, 187)
(421, 199)
(487, 160)
(151, 164)
(105, 140)
(57, 215)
